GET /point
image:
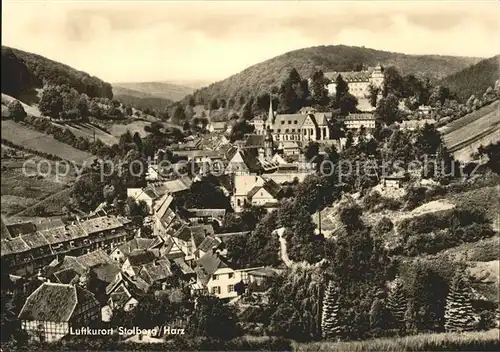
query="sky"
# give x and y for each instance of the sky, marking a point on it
(185, 41)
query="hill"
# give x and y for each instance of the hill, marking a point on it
(23, 72)
(474, 79)
(262, 76)
(164, 90)
(464, 135)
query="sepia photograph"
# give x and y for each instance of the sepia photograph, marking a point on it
(265, 175)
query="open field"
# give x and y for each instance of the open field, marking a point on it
(23, 136)
(21, 191)
(465, 135)
(86, 130)
(472, 341)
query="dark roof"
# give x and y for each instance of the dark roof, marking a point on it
(209, 243)
(181, 263)
(66, 276)
(157, 270)
(139, 258)
(54, 302)
(94, 258)
(4, 233)
(106, 272)
(23, 228)
(208, 265)
(136, 243)
(270, 186)
(248, 158)
(120, 297)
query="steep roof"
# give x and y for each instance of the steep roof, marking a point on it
(66, 276)
(136, 243)
(209, 243)
(270, 186)
(4, 231)
(106, 272)
(207, 266)
(245, 157)
(178, 185)
(139, 258)
(156, 271)
(54, 302)
(288, 120)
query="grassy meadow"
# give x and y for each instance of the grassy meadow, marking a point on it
(473, 341)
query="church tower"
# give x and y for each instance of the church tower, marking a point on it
(268, 145)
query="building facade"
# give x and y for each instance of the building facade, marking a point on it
(358, 82)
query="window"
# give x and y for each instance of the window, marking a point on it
(279, 130)
(216, 290)
(215, 277)
(295, 122)
(293, 130)
(238, 202)
(289, 122)
(230, 288)
(230, 275)
(282, 122)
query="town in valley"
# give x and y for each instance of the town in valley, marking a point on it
(324, 195)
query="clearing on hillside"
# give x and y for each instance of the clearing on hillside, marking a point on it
(37, 141)
(26, 182)
(464, 136)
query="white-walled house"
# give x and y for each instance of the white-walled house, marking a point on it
(52, 309)
(254, 190)
(215, 276)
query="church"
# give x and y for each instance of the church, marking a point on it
(304, 127)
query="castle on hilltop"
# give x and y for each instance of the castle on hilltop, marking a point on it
(358, 82)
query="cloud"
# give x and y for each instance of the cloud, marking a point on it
(138, 41)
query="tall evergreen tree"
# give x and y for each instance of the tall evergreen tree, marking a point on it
(397, 303)
(330, 322)
(459, 313)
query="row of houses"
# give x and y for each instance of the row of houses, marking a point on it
(26, 248)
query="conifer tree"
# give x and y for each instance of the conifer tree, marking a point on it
(459, 313)
(397, 303)
(330, 319)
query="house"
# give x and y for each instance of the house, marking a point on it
(145, 194)
(52, 309)
(206, 215)
(254, 190)
(242, 162)
(356, 120)
(124, 293)
(216, 242)
(217, 127)
(26, 254)
(214, 276)
(289, 148)
(121, 252)
(394, 181)
(188, 238)
(413, 125)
